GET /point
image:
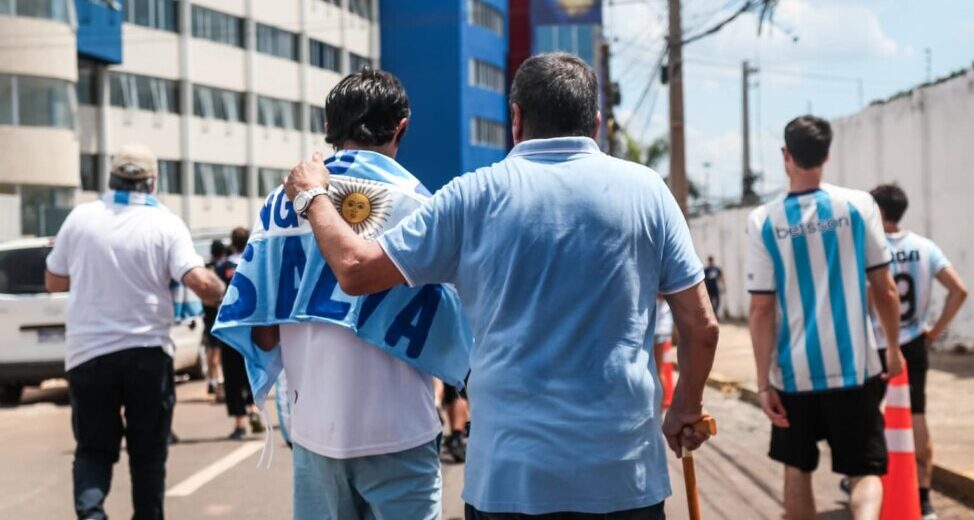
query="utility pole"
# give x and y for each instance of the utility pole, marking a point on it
(609, 94)
(748, 196)
(678, 173)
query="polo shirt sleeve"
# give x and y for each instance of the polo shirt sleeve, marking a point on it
(57, 259)
(680, 268)
(877, 247)
(425, 246)
(758, 261)
(182, 254)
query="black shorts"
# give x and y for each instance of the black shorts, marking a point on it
(917, 363)
(850, 420)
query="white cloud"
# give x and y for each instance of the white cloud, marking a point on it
(832, 32)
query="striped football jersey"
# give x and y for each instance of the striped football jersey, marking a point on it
(813, 250)
(916, 263)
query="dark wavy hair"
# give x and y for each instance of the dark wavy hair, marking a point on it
(892, 201)
(365, 107)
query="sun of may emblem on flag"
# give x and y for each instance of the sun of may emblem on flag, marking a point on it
(574, 7)
(362, 203)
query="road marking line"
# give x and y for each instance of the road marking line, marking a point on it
(201, 477)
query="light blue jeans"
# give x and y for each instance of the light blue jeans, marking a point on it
(395, 486)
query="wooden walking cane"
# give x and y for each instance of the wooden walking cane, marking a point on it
(706, 425)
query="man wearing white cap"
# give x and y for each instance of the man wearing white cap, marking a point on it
(118, 256)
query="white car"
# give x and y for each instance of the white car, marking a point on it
(32, 323)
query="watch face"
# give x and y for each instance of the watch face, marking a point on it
(301, 202)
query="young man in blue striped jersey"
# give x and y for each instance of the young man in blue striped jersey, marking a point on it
(812, 256)
(917, 262)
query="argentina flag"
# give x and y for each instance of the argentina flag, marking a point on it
(283, 278)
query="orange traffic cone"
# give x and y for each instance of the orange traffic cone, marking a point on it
(901, 499)
(666, 373)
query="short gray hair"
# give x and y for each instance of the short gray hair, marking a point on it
(558, 95)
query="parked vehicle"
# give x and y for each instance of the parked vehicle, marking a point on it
(32, 341)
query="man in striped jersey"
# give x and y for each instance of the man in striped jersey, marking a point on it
(811, 256)
(917, 262)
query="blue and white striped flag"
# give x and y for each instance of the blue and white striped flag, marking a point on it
(283, 279)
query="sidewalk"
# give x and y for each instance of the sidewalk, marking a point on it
(950, 405)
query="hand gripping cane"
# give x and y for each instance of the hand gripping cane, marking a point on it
(706, 425)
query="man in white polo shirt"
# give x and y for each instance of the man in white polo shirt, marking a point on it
(118, 256)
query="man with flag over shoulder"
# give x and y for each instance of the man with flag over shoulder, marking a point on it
(363, 420)
(557, 254)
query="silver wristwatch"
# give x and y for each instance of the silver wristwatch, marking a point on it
(302, 201)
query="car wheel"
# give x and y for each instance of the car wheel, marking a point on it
(10, 394)
(198, 371)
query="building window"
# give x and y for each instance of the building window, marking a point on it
(157, 14)
(7, 111)
(31, 101)
(87, 88)
(170, 177)
(277, 113)
(357, 63)
(277, 42)
(268, 179)
(89, 172)
(486, 16)
(221, 180)
(484, 132)
(218, 27)
(44, 208)
(144, 93)
(362, 8)
(487, 76)
(49, 9)
(317, 120)
(215, 103)
(325, 56)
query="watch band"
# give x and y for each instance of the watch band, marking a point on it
(311, 195)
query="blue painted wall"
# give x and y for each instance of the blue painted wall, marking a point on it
(428, 44)
(99, 30)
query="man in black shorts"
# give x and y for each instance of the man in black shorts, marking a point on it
(810, 255)
(917, 262)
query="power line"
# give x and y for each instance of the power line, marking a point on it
(649, 85)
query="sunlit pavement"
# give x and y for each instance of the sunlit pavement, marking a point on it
(217, 478)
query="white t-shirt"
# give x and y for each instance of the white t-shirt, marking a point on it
(916, 263)
(121, 259)
(350, 399)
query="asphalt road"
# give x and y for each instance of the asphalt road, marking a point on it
(210, 477)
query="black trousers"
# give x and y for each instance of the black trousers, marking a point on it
(138, 381)
(654, 512)
(235, 382)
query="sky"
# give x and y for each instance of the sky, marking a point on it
(813, 59)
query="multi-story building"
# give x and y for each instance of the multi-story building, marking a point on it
(572, 26)
(229, 94)
(451, 56)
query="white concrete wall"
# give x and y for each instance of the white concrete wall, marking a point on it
(39, 155)
(55, 58)
(722, 236)
(925, 143)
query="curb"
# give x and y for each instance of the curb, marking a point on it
(956, 485)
